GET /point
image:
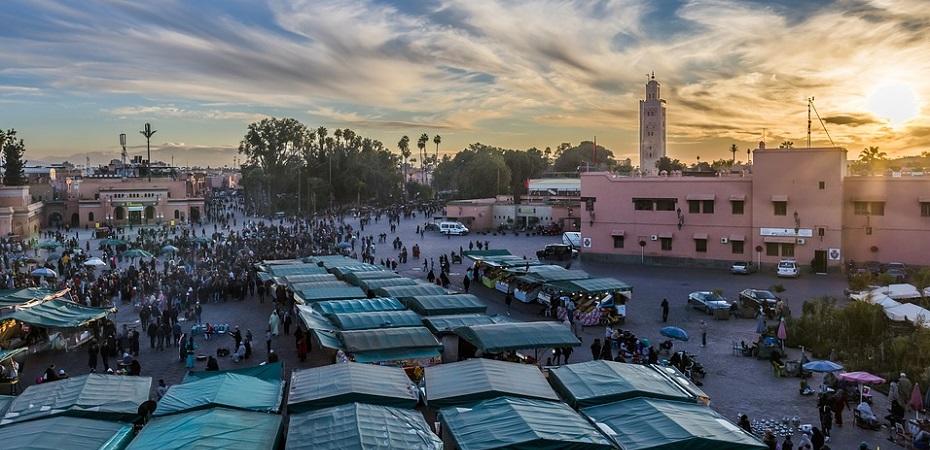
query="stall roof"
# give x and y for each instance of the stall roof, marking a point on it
(295, 269)
(358, 305)
(361, 426)
(328, 339)
(331, 260)
(500, 337)
(376, 319)
(309, 277)
(549, 276)
(267, 372)
(400, 292)
(97, 396)
(316, 295)
(58, 313)
(355, 277)
(370, 285)
(7, 354)
(479, 379)
(509, 422)
(229, 390)
(446, 324)
(648, 423)
(592, 285)
(314, 320)
(480, 254)
(509, 261)
(16, 297)
(210, 429)
(336, 384)
(537, 269)
(434, 305)
(342, 271)
(5, 401)
(62, 432)
(310, 285)
(598, 382)
(390, 344)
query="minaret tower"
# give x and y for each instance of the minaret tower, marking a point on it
(651, 127)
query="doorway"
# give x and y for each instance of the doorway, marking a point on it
(820, 261)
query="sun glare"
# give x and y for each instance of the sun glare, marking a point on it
(894, 102)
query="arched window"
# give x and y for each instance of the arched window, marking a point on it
(177, 214)
(90, 216)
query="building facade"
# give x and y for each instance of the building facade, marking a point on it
(796, 204)
(19, 215)
(548, 202)
(652, 120)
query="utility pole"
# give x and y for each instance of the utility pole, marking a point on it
(148, 132)
(122, 143)
(809, 102)
(298, 190)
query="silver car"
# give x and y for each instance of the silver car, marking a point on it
(708, 301)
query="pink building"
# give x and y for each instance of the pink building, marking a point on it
(797, 204)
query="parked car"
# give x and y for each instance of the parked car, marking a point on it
(455, 228)
(788, 268)
(897, 270)
(874, 267)
(742, 268)
(558, 252)
(758, 298)
(708, 301)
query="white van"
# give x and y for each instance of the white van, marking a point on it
(455, 228)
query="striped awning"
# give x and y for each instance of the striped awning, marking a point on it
(701, 196)
(617, 232)
(699, 236)
(779, 198)
(737, 237)
(779, 239)
(738, 197)
(665, 235)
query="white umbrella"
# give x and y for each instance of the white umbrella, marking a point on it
(95, 262)
(44, 272)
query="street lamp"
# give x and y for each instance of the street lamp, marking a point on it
(148, 132)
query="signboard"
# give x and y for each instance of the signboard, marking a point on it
(586, 242)
(834, 254)
(787, 232)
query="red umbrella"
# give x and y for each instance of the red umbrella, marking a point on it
(782, 330)
(917, 400)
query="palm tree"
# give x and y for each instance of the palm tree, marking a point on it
(421, 144)
(733, 151)
(436, 140)
(404, 145)
(869, 156)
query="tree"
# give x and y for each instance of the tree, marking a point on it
(669, 165)
(404, 146)
(733, 150)
(478, 171)
(870, 158)
(523, 165)
(436, 140)
(273, 143)
(583, 156)
(786, 144)
(421, 145)
(12, 151)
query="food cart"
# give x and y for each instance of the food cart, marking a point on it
(528, 285)
(597, 300)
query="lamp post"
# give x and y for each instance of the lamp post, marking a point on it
(122, 143)
(148, 132)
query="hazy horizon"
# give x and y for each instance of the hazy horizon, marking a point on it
(508, 74)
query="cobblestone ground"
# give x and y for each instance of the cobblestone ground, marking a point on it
(735, 384)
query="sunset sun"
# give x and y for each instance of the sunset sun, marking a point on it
(894, 102)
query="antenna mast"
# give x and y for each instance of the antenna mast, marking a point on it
(810, 105)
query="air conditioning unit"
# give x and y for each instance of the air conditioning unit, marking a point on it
(802, 241)
(724, 240)
(654, 237)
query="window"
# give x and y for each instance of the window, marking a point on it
(781, 208)
(822, 185)
(877, 208)
(694, 206)
(820, 232)
(642, 204)
(708, 206)
(665, 204)
(700, 245)
(925, 209)
(868, 231)
(771, 249)
(737, 247)
(737, 207)
(618, 241)
(90, 217)
(787, 250)
(861, 208)
(666, 243)
(869, 208)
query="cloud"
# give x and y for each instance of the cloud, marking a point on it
(182, 113)
(852, 120)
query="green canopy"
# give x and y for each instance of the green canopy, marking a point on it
(62, 432)
(549, 276)
(16, 297)
(7, 354)
(344, 270)
(264, 276)
(309, 277)
(480, 254)
(231, 390)
(336, 384)
(295, 269)
(520, 423)
(654, 424)
(330, 260)
(435, 305)
(399, 292)
(446, 324)
(500, 337)
(371, 285)
(358, 305)
(267, 372)
(355, 277)
(96, 396)
(316, 295)
(58, 313)
(593, 285)
(310, 285)
(361, 426)
(390, 344)
(536, 269)
(5, 401)
(377, 319)
(328, 338)
(314, 320)
(598, 382)
(479, 379)
(210, 429)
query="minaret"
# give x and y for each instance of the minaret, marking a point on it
(651, 127)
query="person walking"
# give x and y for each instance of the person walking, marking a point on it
(596, 348)
(268, 340)
(839, 404)
(287, 323)
(92, 351)
(508, 300)
(664, 310)
(153, 333)
(466, 282)
(703, 333)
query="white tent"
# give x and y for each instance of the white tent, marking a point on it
(901, 291)
(883, 300)
(909, 312)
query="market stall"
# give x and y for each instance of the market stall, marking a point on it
(360, 426)
(337, 384)
(401, 292)
(358, 305)
(527, 286)
(403, 345)
(95, 396)
(343, 271)
(598, 382)
(376, 319)
(225, 389)
(433, 305)
(499, 338)
(596, 300)
(213, 428)
(53, 322)
(474, 380)
(62, 432)
(320, 294)
(356, 277)
(369, 286)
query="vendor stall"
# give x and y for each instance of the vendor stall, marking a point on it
(402, 292)
(370, 285)
(509, 337)
(53, 322)
(72, 433)
(96, 396)
(358, 305)
(433, 305)
(360, 426)
(337, 384)
(317, 295)
(214, 428)
(596, 300)
(527, 286)
(229, 389)
(599, 382)
(355, 277)
(471, 381)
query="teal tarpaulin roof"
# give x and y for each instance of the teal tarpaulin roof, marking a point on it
(500, 337)
(400, 354)
(14, 297)
(479, 379)
(337, 384)
(111, 397)
(5, 401)
(598, 382)
(210, 429)
(593, 285)
(435, 305)
(71, 433)
(267, 372)
(399, 292)
(230, 390)
(541, 268)
(7, 354)
(479, 254)
(309, 278)
(653, 424)
(358, 305)
(548, 276)
(331, 260)
(342, 271)
(377, 319)
(295, 269)
(361, 426)
(306, 286)
(355, 277)
(370, 285)
(390, 344)
(446, 324)
(58, 313)
(314, 320)
(315, 295)
(509, 422)
(328, 339)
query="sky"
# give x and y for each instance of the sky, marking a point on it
(514, 74)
